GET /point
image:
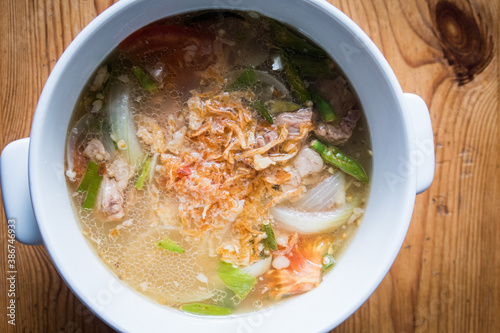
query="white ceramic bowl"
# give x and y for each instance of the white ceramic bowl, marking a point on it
(402, 142)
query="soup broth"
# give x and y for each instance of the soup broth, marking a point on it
(218, 162)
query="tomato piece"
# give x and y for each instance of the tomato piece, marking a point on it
(304, 271)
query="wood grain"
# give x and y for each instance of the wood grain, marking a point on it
(446, 276)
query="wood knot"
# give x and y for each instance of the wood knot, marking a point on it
(466, 43)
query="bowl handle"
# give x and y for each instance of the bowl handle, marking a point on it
(16, 195)
(423, 155)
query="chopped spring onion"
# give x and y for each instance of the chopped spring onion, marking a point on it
(310, 222)
(259, 267)
(270, 240)
(278, 106)
(145, 80)
(328, 261)
(245, 80)
(206, 309)
(90, 183)
(235, 279)
(262, 110)
(169, 245)
(144, 173)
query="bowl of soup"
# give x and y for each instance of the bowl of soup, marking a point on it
(223, 167)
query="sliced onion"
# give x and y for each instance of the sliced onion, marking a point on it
(310, 222)
(107, 143)
(73, 136)
(259, 267)
(122, 123)
(152, 169)
(330, 192)
(262, 77)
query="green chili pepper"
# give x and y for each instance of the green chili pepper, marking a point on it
(324, 107)
(145, 80)
(284, 36)
(311, 67)
(297, 84)
(262, 109)
(334, 156)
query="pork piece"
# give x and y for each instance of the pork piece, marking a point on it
(305, 170)
(308, 162)
(110, 199)
(293, 120)
(343, 101)
(263, 139)
(150, 134)
(338, 134)
(95, 151)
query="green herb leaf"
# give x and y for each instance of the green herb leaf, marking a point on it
(145, 80)
(245, 80)
(169, 245)
(270, 240)
(235, 279)
(206, 309)
(261, 108)
(144, 173)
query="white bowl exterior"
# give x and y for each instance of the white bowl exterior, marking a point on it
(363, 265)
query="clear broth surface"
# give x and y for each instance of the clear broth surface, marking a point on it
(128, 245)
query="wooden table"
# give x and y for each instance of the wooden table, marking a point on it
(447, 275)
